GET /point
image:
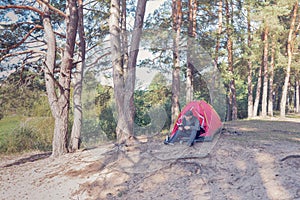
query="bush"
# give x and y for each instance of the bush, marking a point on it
(19, 140)
(91, 134)
(107, 123)
(35, 134)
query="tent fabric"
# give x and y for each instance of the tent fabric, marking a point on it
(207, 116)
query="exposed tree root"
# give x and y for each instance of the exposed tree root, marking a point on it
(289, 156)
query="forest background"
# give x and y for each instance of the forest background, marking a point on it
(70, 69)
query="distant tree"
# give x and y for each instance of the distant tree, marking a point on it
(217, 49)
(271, 76)
(249, 64)
(232, 104)
(265, 67)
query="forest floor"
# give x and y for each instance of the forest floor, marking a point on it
(249, 159)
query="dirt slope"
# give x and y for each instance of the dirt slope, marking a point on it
(249, 160)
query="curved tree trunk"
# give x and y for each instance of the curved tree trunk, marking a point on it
(288, 68)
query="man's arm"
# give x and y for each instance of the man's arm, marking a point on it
(196, 124)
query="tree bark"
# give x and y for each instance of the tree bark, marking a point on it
(271, 77)
(78, 78)
(59, 144)
(118, 75)
(191, 37)
(288, 68)
(124, 38)
(216, 59)
(258, 90)
(177, 17)
(249, 64)
(133, 53)
(232, 90)
(265, 67)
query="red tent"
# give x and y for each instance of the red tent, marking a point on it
(207, 116)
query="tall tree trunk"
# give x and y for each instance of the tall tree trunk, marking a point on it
(216, 60)
(288, 68)
(124, 79)
(131, 77)
(118, 75)
(60, 136)
(59, 99)
(78, 78)
(232, 90)
(49, 70)
(271, 77)
(191, 37)
(177, 17)
(265, 67)
(249, 64)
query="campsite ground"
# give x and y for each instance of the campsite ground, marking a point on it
(251, 159)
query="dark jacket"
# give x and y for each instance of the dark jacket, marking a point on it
(193, 123)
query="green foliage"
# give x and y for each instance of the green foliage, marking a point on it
(34, 134)
(151, 101)
(107, 123)
(21, 93)
(19, 140)
(98, 119)
(90, 133)
(8, 124)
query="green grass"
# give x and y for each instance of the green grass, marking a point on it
(8, 124)
(19, 134)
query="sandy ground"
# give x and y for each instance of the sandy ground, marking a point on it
(248, 160)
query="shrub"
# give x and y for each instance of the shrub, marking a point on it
(35, 134)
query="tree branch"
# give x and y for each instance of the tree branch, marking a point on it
(52, 8)
(23, 8)
(23, 40)
(20, 53)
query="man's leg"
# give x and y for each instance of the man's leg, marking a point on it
(175, 137)
(192, 137)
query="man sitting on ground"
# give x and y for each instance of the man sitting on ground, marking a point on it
(189, 127)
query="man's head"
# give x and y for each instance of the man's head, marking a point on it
(188, 114)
